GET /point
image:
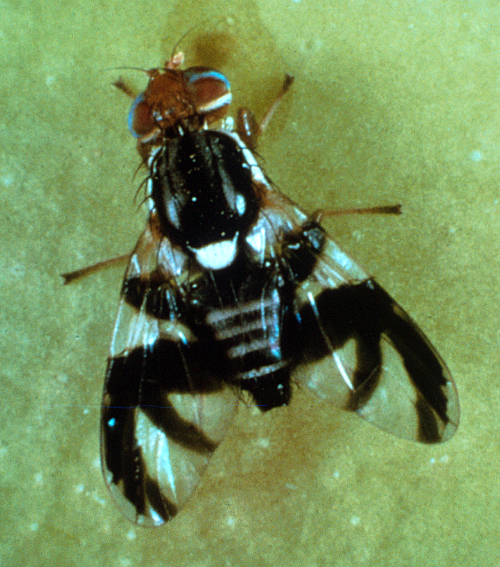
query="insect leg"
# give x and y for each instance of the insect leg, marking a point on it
(320, 214)
(87, 270)
(247, 126)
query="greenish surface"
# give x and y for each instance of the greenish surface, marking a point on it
(393, 102)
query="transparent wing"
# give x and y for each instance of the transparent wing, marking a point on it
(365, 354)
(164, 408)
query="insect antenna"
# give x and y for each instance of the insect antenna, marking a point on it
(183, 37)
(127, 68)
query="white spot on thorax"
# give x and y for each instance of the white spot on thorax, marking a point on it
(217, 255)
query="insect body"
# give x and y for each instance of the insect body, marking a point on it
(232, 288)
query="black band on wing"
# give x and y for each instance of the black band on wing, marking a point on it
(142, 382)
(156, 499)
(153, 292)
(364, 312)
(144, 379)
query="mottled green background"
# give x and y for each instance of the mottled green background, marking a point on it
(393, 102)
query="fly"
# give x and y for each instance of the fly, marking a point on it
(233, 289)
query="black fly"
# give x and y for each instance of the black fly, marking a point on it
(232, 288)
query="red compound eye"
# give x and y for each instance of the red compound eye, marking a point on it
(210, 90)
(140, 121)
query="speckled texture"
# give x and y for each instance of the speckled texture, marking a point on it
(393, 102)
